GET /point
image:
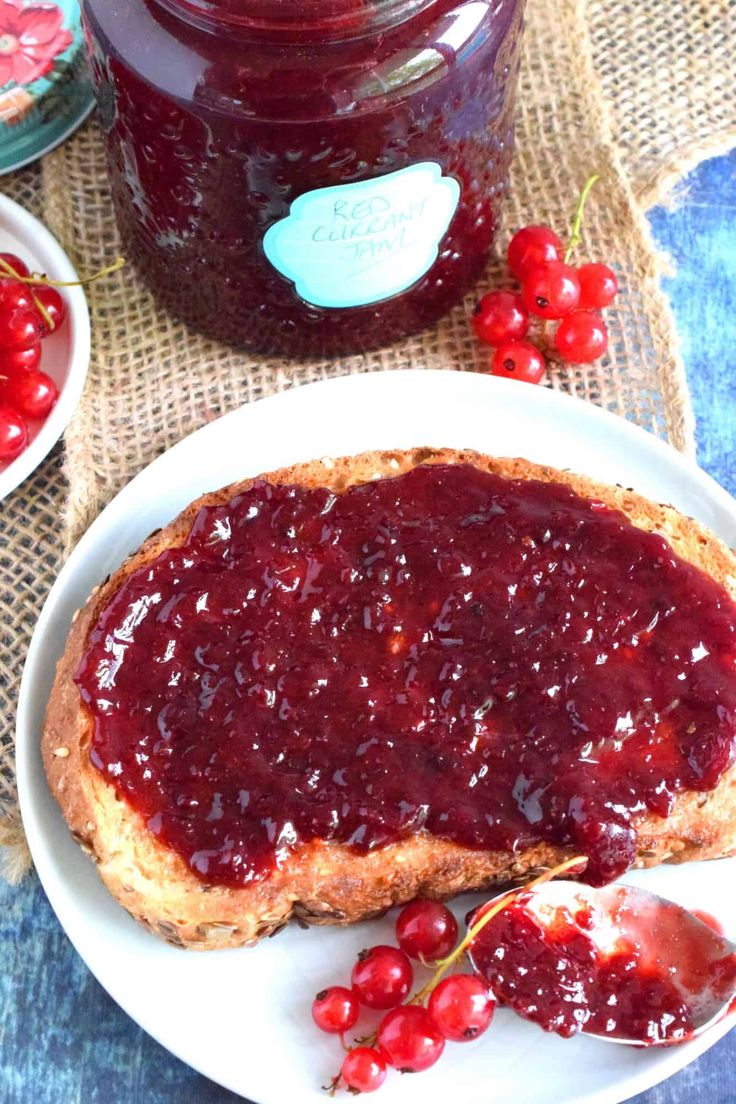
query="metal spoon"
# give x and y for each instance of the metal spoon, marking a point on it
(669, 940)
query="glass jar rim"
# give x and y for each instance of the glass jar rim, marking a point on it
(332, 19)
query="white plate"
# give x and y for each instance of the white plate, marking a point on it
(65, 353)
(242, 1017)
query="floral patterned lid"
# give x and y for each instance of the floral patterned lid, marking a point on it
(45, 90)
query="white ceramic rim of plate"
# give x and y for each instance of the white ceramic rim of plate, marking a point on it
(433, 382)
(45, 253)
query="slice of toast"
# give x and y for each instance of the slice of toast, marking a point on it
(327, 881)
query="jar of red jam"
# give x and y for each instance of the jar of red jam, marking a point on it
(307, 178)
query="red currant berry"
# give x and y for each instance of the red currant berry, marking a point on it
(409, 1039)
(534, 245)
(32, 394)
(335, 1009)
(598, 286)
(13, 433)
(54, 305)
(364, 1069)
(462, 1007)
(19, 328)
(581, 338)
(19, 360)
(382, 977)
(500, 316)
(426, 929)
(518, 360)
(19, 267)
(551, 290)
(14, 294)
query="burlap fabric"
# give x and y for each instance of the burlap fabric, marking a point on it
(667, 70)
(603, 88)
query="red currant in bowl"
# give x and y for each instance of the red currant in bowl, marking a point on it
(426, 930)
(11, 261)
(32, 393)
(13, 433)
(382, 977)
(62, 356)
(14, 294)
(54, 306)
(20, 327)
(15, 360)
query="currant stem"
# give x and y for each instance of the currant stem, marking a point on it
(487, 913)
(365, 1040)
(36, 278)
(44, 313)
(577, 219)
(10, 271)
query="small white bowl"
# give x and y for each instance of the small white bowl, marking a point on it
(65, 354)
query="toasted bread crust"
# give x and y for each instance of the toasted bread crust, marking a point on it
(325, 881)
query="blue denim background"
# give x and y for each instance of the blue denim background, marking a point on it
(64, 1041)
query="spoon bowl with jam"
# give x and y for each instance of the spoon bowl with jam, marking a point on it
(616, 963)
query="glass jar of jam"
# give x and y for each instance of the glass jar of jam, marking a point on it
(307, 178)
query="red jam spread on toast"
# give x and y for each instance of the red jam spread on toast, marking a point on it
(493, 661)
(650, 985)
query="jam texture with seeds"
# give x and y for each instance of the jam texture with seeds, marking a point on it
(557, 975)
(497, 662)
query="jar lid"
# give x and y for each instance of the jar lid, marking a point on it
(45, 89)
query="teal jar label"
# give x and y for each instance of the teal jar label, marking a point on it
(45, 90)
(356, 244)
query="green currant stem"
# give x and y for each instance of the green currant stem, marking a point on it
(487, 913)
(577, 219)
(7, 268)
(36, 278)
(333, 1086)
(364, 1040)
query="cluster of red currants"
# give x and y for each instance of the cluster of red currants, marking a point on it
(551, 290)
(412, 1035)
(29, 312)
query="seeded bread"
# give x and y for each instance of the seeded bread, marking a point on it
(326, 882)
